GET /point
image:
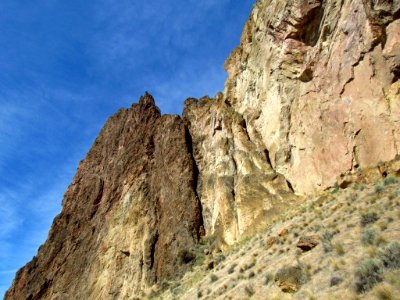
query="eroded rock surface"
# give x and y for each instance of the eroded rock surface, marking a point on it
(317, 83)
(130, 209)
(238, 188)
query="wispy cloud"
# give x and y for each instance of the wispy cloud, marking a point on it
(9, 218)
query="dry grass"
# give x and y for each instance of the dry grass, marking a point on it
(355, 225)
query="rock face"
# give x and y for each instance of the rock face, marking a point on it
(313, 92)
(315, 82)
(130, 209)
(238, 188)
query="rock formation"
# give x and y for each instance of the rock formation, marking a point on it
(313, 92)
(317, 83)
(131, 208)
(238, 188)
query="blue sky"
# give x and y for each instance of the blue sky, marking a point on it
(66, 66)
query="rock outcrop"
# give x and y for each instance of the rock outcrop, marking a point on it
(239, 190)
(131, 208)
(317, 83)
(313, 92)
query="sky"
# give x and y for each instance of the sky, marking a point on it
(66, 66)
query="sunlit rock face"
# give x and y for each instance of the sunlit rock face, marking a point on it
(315, 82)
(238, 188)
(130, 209)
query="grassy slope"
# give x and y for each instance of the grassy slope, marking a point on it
(248, 269)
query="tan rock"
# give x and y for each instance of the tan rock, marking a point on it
(238, 188)
(271, 241)
(309, 80)
(283, 232)
(306, 243)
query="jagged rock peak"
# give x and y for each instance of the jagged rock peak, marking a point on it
(147, 100)
(129, 212)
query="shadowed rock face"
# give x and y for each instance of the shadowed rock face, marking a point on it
(316, 83)
(130, 209)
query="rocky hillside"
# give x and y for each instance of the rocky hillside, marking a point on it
(312, 94)
(343, 243)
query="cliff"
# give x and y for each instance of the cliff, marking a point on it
(313, 92)
(317, 83)
(130, 209)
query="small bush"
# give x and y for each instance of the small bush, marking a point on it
(336, 280)
(232, 268)
(368, 237)
(382, 225)
(268, 278)
(390, 256)
(289, 279)
(368, 274)
(219, 258)
(327, 235)
(383, 292)
(369, 218)
(326, 241)
(338, 248)
(393, 195)
(251, 274)
(380, 240)
(213, 278)
(389, 180)
(379, 189)
(360, 187)
(249, 291)
(186, 256)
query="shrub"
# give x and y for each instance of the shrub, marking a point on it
(326, 241)
(390, 256)
(268, 278)
(338, 248)
(289, 279)
(393, 195)
(186, 256)
(382, 225)
(368, 237)
(336, 280)
(379, 189)
(220, 258)
(232, 268)
(369, 218)
(359, 186)
(249, 291)
(383, 292)
(380, 240)
(368, 274)
(389, 180)
(213, 278)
